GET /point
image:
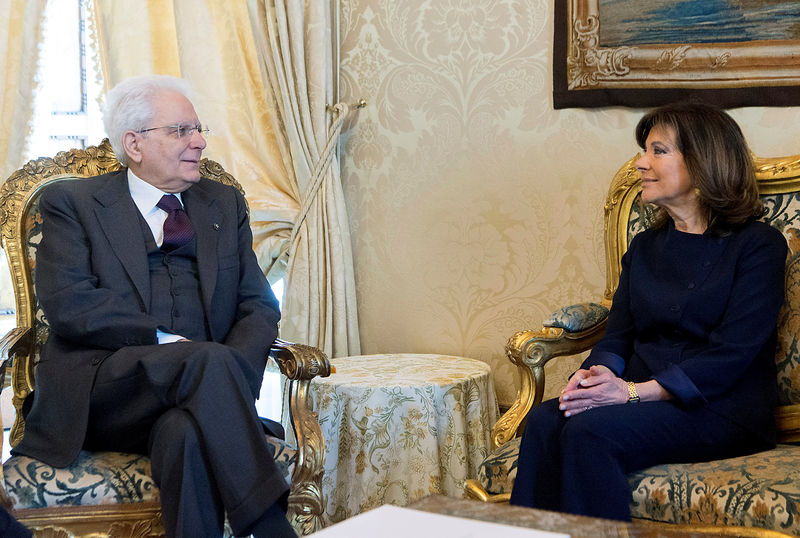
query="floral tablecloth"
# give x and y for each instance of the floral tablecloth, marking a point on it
(399, 427)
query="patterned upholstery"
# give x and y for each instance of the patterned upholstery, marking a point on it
(759, 490)
(498, 471)
(100, 478)
(33, 236)
(94, 478)
(787, 357)
(577, 317)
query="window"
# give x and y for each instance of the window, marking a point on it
(66, 105)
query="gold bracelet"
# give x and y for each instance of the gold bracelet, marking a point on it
(633, 396)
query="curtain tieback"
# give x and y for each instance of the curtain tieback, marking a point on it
(340, 111)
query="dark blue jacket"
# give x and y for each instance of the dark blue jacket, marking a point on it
(698, 313)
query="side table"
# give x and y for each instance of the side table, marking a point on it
(399, 427)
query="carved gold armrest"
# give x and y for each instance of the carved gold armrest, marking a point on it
(301, 363)
(530, 351)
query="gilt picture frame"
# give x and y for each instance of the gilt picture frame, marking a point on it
(643, 53)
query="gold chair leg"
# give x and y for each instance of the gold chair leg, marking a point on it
(305, 500)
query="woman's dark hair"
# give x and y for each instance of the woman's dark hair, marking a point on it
(718, 160)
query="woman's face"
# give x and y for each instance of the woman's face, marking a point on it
(665, 179)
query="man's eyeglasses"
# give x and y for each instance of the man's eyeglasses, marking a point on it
(180, 130)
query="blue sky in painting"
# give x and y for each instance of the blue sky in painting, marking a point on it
(642, 22)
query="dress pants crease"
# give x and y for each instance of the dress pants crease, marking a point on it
(192, 394)
(174, 448)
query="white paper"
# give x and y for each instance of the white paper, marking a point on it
(394, 522)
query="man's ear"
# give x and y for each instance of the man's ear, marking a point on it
(130, 143)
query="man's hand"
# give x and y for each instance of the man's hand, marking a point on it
(598, 386)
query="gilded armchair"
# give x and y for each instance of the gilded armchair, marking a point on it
(758, 491)
(108, 493)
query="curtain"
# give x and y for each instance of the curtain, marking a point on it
(21, 22)
(295, 47)
(210, 44)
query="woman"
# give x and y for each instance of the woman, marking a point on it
(686, 369)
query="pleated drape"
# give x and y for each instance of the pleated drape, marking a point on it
(20, 38)
(21, 26)
(295, 47)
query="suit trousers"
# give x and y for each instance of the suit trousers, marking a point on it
(579, 464)
(188, 406)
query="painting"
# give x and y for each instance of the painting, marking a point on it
(642, 53)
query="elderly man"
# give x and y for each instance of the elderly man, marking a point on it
(160, 322)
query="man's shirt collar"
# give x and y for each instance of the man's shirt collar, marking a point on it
(145, 195)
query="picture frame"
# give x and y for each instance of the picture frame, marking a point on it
(735, 73)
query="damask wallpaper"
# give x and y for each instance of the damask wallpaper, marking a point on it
(475, 208)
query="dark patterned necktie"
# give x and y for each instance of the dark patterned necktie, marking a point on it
(177, 228)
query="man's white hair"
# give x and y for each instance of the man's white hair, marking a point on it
(130, 106)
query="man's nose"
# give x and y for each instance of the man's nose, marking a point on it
(198, 140)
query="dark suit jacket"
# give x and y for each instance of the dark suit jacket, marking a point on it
(92, 281)
(699, 313)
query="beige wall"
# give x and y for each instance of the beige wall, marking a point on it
(476, 208)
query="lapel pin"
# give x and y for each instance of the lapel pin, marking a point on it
(216, 226)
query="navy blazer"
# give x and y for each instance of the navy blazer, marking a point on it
(93, 284)
(698, 313)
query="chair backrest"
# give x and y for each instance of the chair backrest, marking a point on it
(779, 185)
(20, 225)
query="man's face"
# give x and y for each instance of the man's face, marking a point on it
(166, 160)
